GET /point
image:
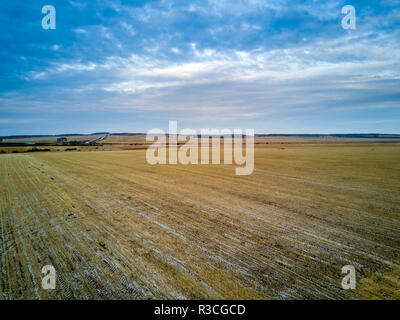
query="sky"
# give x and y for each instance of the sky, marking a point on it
(130, 66)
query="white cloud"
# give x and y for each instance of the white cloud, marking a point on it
(231, 83)
(208, 65)
(79, 31)
(128, 28)
(77, 4)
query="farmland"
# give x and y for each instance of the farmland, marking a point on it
(114, 226)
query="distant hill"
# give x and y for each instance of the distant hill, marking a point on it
(336, 135)
(53, 135)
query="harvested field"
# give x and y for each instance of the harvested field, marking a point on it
(115, 227)
(139, 139)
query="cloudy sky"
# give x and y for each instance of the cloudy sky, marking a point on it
(129, 66)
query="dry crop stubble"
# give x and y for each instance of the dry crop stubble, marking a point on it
(115, 227)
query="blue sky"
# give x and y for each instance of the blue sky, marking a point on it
(129, 66)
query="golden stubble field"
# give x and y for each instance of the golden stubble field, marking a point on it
(115, 227)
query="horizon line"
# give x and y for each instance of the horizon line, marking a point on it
(22, 136)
